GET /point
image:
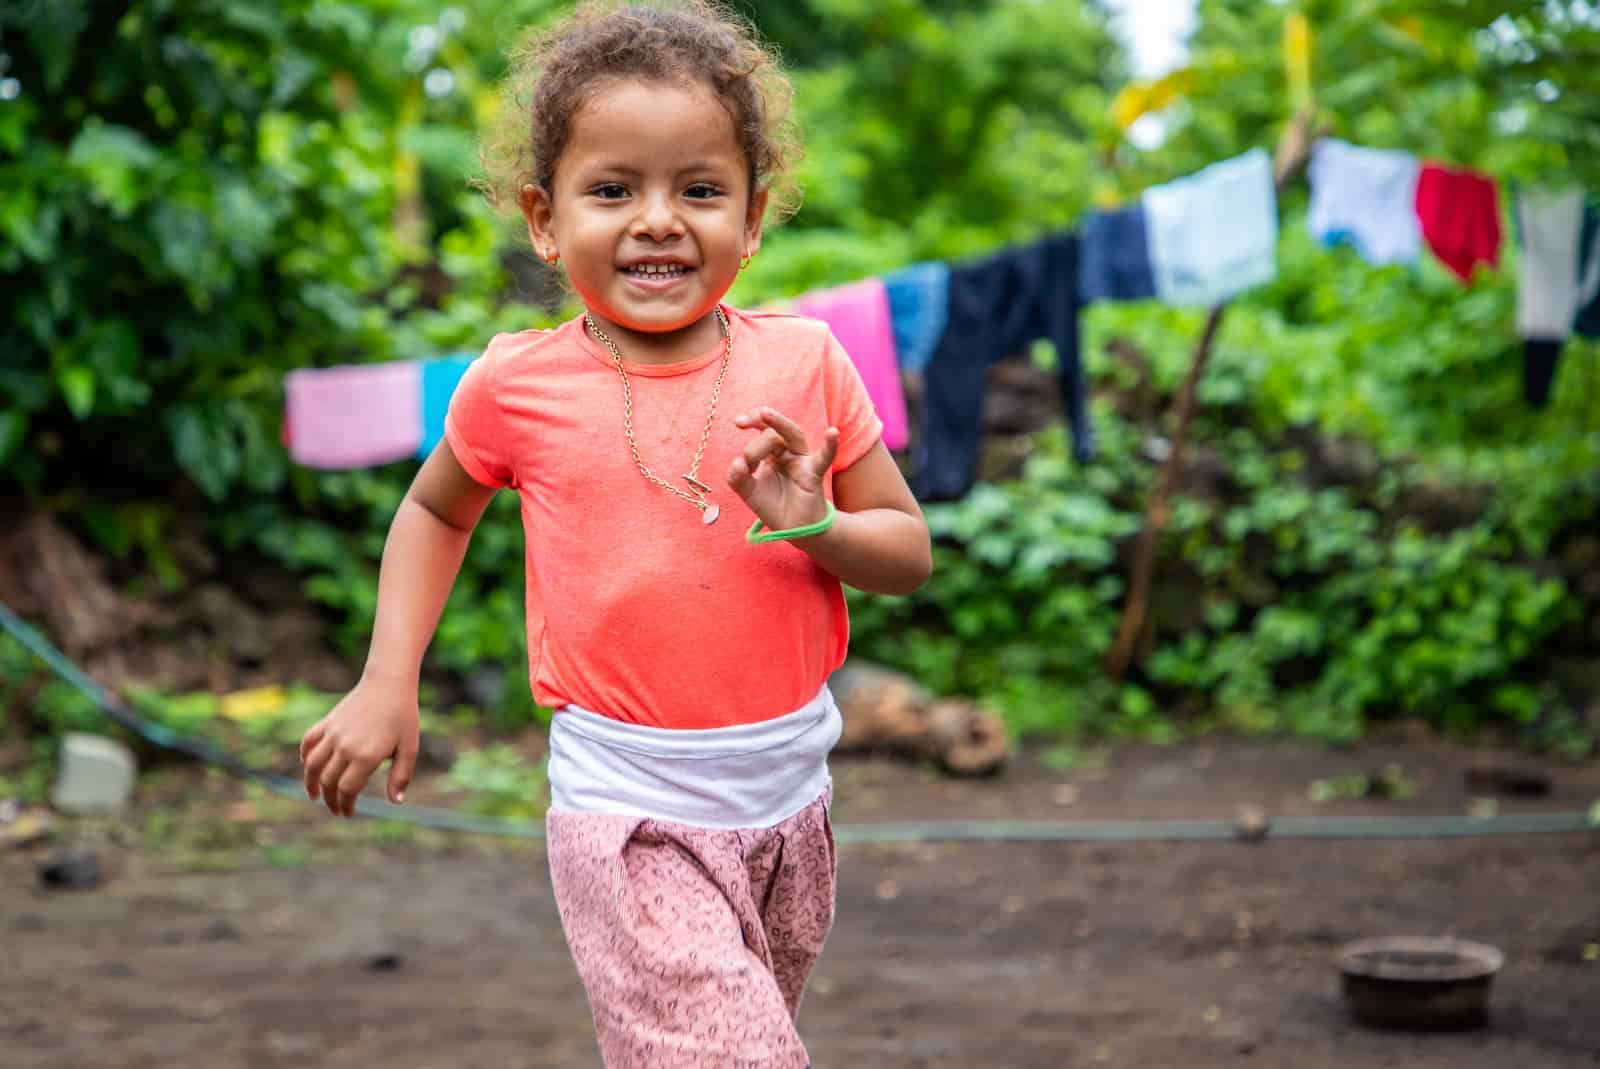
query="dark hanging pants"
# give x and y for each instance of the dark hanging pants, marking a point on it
(999, 306)
(1539, 359)
(1587, 321)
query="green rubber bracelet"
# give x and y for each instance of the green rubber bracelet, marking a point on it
(756, 535)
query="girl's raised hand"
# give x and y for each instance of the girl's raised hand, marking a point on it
(778, 475)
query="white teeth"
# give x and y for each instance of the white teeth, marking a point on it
(657, 270)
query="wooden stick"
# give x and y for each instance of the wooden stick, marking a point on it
(1155, 520)
(1291, 155)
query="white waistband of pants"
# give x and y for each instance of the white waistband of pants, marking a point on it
(745, 776)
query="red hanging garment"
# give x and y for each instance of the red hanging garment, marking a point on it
(1460, 215)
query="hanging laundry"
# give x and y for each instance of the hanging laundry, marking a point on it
(1587, 321)
(1215, 232)
(1548, 226)
(1460, 215)
(439, 379)
(919, 306)
(998, 306)
(858, 313)
(1539, 359)
(1114, 257)
(1367, 197)
(354, 416)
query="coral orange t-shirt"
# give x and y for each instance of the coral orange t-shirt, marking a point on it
(636, 609)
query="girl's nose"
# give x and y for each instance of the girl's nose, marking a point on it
(657, 218)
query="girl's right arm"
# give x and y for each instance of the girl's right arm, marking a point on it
(377, 720)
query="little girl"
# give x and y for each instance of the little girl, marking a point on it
(685, 648)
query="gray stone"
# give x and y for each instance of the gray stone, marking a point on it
(95, 775)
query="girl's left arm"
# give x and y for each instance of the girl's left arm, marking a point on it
(879, 539)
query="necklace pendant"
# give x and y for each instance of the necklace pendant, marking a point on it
(701, 498)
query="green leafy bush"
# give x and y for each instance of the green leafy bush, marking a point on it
(200, 197)
(183, 223)
(499, 782)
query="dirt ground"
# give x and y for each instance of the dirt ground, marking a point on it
(448, 953)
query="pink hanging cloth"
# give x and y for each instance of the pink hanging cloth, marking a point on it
(356, 416)
(858, 313)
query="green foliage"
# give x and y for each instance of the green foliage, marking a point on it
(483, 630)
(1023, 601)
(932, 130)
(27, 685)
(1479, 82)
(184, 222)
(31, 697)
(1391, 781)
(262, 736)
(499, 782)
(1306, 597)
(200, 197)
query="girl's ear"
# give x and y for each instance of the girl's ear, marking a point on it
(752, 222)
(538, 210)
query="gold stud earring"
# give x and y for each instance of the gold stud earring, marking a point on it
(744, 261)
(553, 259)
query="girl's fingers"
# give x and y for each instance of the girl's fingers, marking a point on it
(330, 781)
(314, 762)
(739, 477)
(794, 439)
(769, 443)
(830, 449)
(400, 770)
(312, 737)
(354, 779)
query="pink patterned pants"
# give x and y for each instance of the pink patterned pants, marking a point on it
(694, 944)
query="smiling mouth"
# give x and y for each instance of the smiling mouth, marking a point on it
(659, 272)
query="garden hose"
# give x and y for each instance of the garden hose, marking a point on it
(1435, 827)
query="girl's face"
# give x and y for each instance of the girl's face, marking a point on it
(651, 211)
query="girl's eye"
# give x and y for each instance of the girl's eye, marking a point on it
(702, 191)
(610, 191)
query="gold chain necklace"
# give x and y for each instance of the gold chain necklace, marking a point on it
(709, 511)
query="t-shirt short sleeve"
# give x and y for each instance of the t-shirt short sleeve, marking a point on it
(849, 406)
(474, 426)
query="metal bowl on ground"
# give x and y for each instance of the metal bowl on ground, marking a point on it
(1418, 982)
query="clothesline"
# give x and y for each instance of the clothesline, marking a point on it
(1197, 240)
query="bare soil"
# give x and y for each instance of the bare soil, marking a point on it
(352, 950)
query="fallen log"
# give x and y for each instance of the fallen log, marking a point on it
(889, 713)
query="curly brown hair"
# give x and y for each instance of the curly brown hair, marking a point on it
(665, 40)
